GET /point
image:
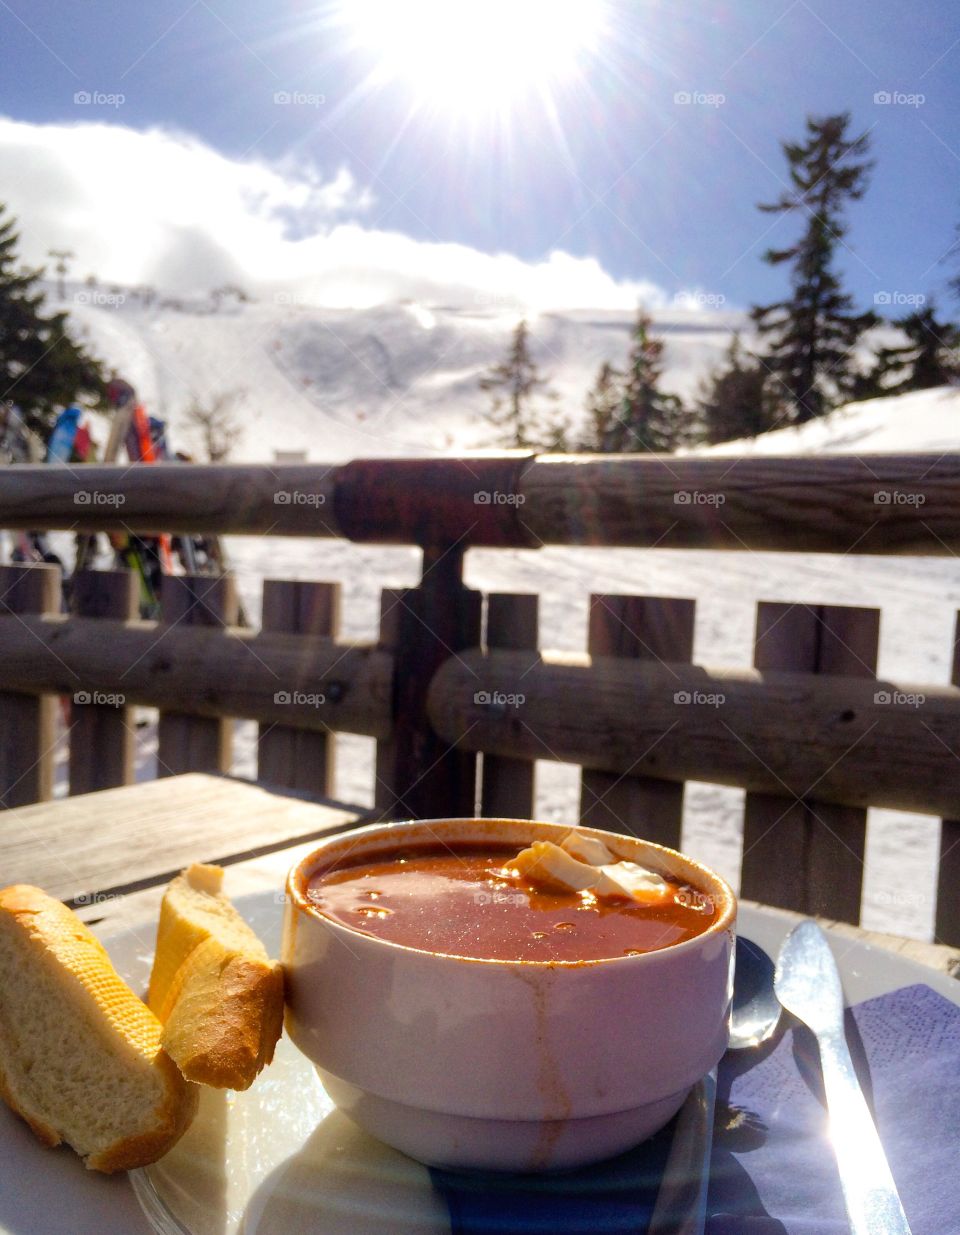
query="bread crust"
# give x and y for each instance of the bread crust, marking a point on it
(225, 1016)
(218, 995)
(82, 969)
(173, 1119)
(44, 1132)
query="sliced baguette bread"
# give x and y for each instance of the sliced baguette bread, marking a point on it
(217, 993)
(80, 1054)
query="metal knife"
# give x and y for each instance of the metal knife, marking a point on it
(808, 985)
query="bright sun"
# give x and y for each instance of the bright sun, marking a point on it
(474, 56)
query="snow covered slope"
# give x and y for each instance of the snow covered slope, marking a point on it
(393, 379)
(927, 420)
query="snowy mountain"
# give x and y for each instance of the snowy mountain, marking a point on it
(337, 383)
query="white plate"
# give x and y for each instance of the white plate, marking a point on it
(280, 1158)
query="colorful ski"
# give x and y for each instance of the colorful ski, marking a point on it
(60, 446)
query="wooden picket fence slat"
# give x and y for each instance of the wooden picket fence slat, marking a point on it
(947, 923)
(102, 735)
(186, 742)
(416, 769)
(28, 723)
(803, 854)
(642, 628)
(301, 759)
(508, 785)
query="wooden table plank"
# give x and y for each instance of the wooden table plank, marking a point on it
(97, 845)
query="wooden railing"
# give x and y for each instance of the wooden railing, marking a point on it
(809, 732)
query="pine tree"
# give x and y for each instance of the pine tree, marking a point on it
(604, 405)
(930, 357)
(516, 385)
(731, 403)
(811, 336)
(648, 419)
(41, 367)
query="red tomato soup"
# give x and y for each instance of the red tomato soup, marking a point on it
(461, 901)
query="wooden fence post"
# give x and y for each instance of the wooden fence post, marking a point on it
(798, 854)
(419, 776)
(291, 758)
(507, 785)
(187, 743)
(644, 628)
(947, 929)
(102, 737)
(28, 723)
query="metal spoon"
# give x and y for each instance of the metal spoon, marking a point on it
(808, 984)
(753, 1018)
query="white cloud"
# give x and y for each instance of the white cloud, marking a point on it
(163, 208)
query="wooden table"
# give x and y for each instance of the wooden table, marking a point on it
(95, 850)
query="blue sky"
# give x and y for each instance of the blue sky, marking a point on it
(653, 189)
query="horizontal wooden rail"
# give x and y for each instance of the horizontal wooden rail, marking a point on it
(286, 500)
(871, 504)
(301, 680)
(856, 741)
(906, 503)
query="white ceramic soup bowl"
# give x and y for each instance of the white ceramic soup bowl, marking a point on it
(504, 1065)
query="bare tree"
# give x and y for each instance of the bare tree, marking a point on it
(212, 423)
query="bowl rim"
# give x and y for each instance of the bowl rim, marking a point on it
(299, 875)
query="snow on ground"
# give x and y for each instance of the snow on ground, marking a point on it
(927, 420)
(402, 378)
